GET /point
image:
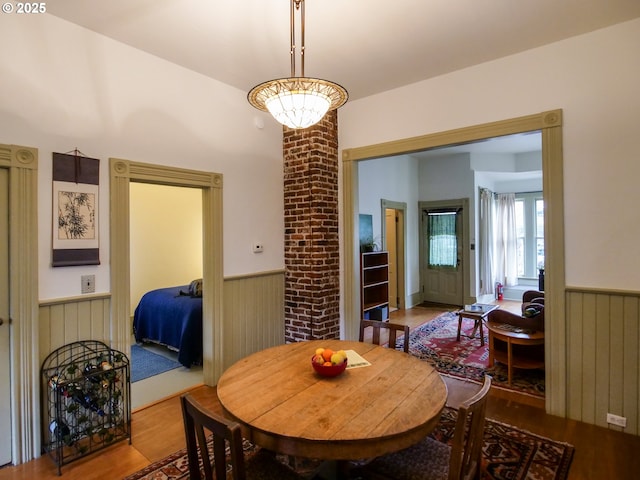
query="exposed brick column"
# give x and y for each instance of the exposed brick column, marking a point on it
(311, 244)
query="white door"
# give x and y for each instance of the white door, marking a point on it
(5, 357)
(442, 268)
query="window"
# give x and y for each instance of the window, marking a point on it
(443, 241)
(529, 233)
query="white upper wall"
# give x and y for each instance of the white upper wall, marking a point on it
(65, 87)
(395, 181)
(594, 79)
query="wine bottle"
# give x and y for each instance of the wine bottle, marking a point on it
(61, 432)
(75, 392)
(90, 370)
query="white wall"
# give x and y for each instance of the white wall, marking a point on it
(594, 79)
(166, 237)
(64, 87)
(396, 181)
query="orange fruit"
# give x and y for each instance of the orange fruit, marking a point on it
(326, 354)
(327, 364)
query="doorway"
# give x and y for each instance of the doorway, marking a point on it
(443, 240)
(122, 172)
(549, 123)
(166, 252)
(394, 242)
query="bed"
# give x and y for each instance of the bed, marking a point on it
(171, 317)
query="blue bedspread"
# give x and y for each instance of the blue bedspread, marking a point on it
(164, 316)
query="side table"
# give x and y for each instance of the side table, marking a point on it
(477, 312)
(502, 340)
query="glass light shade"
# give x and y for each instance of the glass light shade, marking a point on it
(297, 102)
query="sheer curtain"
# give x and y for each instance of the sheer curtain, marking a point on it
(506, 261)
(486, 242)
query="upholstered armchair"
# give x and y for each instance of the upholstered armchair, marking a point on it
(532, 296)
(532, 317)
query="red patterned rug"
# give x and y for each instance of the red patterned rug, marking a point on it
(508, 453)
(435, 341)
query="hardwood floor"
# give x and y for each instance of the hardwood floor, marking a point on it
(158, 432)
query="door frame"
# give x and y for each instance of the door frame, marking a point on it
(22, 163)
(122, 172)
(549, 123)
(5, 334)
(465, 261)
(401, 246)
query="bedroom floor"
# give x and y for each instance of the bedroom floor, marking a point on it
(154, 389)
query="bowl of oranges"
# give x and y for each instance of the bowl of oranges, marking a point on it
(329, 363)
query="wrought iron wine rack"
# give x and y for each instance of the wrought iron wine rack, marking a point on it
(86, 400)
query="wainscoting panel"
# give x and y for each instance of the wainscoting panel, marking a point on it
(71, 319)
(603, 356)
(253, 314)
(253, 317)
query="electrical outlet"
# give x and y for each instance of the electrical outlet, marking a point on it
(88, 283)
(616, 420)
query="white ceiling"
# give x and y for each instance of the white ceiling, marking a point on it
(509, 144)
(367, 46)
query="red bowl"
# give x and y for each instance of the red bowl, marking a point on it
(330, 370)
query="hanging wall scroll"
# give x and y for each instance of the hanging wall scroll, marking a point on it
(76, 181)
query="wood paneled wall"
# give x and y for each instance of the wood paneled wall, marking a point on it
(603, 356)
(253, 314)
(603, 338)
(70, 319)
(253, 317)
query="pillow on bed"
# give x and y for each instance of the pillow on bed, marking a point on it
(195, 288)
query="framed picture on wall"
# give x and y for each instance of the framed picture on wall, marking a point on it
(75, 210)
(366, 233)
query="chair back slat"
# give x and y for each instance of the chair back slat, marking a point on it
(393, 329)
(196, 419)
(466, 449)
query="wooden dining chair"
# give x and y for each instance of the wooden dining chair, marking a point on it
(460, 461)
(393, 328)
(197, 419)
(466, 449)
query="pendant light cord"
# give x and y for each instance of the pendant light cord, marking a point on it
(297, 5)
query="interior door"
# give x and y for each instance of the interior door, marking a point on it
(442, 267)
(5, 354)
(391, 246)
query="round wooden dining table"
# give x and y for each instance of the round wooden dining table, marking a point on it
(284, 406)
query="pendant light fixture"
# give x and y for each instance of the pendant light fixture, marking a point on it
(297, 102)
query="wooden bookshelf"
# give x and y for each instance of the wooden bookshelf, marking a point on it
(374, 283)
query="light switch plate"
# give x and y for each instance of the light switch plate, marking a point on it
(88, 283)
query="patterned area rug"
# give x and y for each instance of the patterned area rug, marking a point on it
(435, 341)
(507, 453)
